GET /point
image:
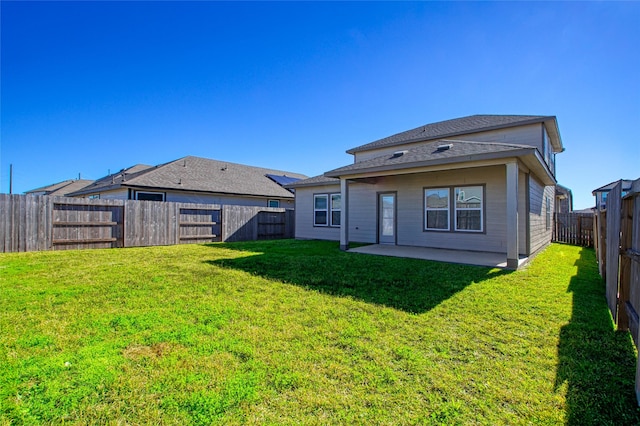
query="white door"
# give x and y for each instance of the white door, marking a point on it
(387, 218)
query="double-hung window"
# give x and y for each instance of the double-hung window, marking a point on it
(436, 202)
(321, 210)
(327, 209)
(469, 201)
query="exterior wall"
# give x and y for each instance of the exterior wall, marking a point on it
(304, 214)
(525, 135)
(186, 197)
(533, 234)
(116, 194)
(363, 214)
(410, 217)
(540, 235)
(194, 197)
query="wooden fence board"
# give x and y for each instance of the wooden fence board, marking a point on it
(29, 223)
(82, 224)
(614, 204)
(199, 223)
(574, 228)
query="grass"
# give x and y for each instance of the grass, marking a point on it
(295, 332)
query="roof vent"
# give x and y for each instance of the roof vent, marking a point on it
(444, 147)
(399, 153)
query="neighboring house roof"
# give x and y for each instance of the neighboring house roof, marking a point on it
(314, 181)
(197, 174)
(586, 211)
(61, 188)
(626, 186)
(563, 191)
(462, 126)
(428, 154)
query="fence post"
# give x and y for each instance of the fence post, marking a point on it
(626, 230)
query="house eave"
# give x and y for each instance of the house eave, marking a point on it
(389, 169)
(528, 156)
(312, 184)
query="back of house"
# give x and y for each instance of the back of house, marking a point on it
(481, 183)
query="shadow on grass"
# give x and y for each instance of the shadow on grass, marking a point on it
(597, 363)
(410, 285)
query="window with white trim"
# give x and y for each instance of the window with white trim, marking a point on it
(327, 209)
(436, 202)
(468, 208)
(273, 203)
(321, 210)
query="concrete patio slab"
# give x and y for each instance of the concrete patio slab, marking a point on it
(497, 260)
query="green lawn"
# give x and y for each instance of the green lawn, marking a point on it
(297, 332)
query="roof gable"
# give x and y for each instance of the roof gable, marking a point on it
(461, 126)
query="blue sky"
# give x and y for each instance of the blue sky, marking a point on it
(92, 87)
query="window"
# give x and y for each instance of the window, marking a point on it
(436, 203)
(469, 208)
(547, 221)
(273, 203)
(327, 209)
(94, 197)
(462, 205)
(150, 196)
(336, 209)
(320, 210)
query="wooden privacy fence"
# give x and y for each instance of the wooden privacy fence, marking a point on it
(618, 246)
(574, 228)
(36, 223)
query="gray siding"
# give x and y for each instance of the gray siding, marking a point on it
(194, 197)
(236, 200)
(410, 201)
(304, 214)
(524, 135)
(116, 194)
(410, 213)
(540, 235)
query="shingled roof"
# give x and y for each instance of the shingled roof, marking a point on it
(460, 126)
(434, 153)
(61, 188)
(199, 175)
(314, 181)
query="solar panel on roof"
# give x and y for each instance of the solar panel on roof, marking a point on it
(282, 180)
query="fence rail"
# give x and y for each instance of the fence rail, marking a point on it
(37, 223)
(574, 228)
